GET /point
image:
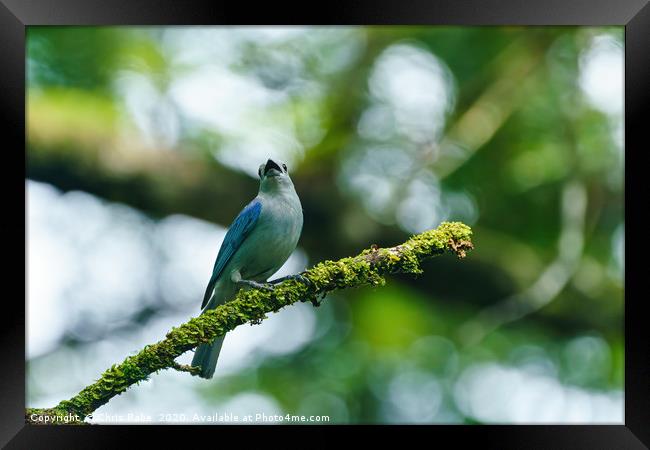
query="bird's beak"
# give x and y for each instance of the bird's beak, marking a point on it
(270, 164)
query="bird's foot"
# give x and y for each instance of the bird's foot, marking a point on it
(303, 279)
(255, 284)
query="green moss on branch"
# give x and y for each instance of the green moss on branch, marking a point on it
(251, 306)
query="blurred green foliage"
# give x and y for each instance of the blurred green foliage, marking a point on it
(387, 131)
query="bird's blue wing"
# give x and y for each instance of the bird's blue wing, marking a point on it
(240, 228)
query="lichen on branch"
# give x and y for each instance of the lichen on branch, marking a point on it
(252, 305)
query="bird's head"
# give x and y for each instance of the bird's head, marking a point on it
(273, 176)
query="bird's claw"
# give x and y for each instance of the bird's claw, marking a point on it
(300, 277)
(304, 280)
(256, 285)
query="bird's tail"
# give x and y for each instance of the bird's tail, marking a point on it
(206, 357)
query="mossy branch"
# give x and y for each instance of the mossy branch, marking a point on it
(251, 306)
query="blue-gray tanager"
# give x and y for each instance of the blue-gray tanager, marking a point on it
(257, 244)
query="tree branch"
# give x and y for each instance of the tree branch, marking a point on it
(252, 305)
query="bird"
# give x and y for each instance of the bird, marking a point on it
(256, 245)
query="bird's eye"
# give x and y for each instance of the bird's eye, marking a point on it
(284, 166)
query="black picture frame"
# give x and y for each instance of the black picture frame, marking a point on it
(15, 15)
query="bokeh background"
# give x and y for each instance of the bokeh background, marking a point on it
(143, 145)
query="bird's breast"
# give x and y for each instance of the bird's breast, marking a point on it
(272, 240)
